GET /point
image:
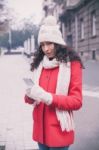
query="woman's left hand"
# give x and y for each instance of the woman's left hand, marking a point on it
(39, 94)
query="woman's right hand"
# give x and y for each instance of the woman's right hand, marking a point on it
(28, 100)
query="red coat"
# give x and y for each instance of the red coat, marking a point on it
(46, 128)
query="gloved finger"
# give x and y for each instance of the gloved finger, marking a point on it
(28, 91)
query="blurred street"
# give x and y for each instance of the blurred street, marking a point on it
(86, 119)
(16, 116)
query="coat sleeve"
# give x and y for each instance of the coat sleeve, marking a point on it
(28, 100)
(73, 101)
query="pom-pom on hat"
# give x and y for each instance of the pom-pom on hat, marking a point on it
(49, 32)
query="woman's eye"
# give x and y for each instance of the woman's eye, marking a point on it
(42, 45)
(46, 44)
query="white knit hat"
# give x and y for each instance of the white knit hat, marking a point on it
(49, 32)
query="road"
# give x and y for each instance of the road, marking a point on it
(86, 119)
(16, 117)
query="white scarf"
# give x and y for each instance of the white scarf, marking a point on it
(64, 117)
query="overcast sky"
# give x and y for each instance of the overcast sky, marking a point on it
(26, 8)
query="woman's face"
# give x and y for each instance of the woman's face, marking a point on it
(49, 49)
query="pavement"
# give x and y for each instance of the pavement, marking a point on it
(91, 78)
(16, 116)
(86, 119)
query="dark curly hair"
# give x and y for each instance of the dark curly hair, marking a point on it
(63, 54)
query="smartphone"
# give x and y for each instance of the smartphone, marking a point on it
(28, 81)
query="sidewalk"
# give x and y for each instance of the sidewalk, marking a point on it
(91, 79)
(15, 116)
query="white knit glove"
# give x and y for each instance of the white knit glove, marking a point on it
(39, 94)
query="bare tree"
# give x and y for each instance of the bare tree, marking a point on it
(4, 21)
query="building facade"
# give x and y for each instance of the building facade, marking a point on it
(79, 22)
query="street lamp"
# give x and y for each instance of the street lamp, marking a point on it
(9, 41)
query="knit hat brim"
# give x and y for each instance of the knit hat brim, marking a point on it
(49, 32)
(49, 38)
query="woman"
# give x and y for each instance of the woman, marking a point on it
(57, 89)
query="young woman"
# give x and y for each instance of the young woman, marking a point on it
(57, 89)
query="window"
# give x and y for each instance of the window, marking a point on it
(93, 16)
(82, 28)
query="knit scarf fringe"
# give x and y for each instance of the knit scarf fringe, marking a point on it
(64, 117)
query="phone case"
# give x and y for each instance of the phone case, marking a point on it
(28, 81)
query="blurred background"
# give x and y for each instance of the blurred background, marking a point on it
(20, 21)
(78, 21)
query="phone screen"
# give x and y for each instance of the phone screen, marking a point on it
(28, 81)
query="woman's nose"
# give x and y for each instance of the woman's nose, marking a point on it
(45, 47)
